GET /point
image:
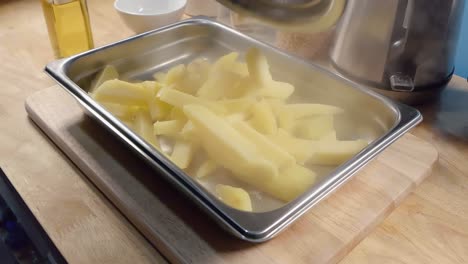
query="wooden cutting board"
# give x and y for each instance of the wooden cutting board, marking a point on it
(174, 225)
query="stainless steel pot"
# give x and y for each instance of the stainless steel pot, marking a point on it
(404, 47)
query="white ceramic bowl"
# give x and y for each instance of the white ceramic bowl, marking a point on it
(144, 15)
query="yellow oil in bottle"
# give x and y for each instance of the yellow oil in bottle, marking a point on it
(68, 25)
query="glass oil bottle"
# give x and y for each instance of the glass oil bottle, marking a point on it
(68, 25)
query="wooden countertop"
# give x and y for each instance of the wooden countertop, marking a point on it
(431, 225)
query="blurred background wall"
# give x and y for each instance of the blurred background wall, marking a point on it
(461, 60)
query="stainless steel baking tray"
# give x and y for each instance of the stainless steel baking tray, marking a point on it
(367, 114)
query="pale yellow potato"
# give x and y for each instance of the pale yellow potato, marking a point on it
(222, 80)
(265, 147)
(239, 105)
(229, 62)
(152, 86)
(225, 62)
(314, 127)
(143, 126)
(227, 147)
(178, 114)
(307, 110)
(197, 73)
(258, 67)
(176, 79)
(301, 149)
(318, 152)
(286, 119)
(159, 110)
(206, 168)
(188, 132)
(246, 87)
(263, 118)
(168, 128)
(336, 152)
(183, 152)
(180, 99)
(201, 67)
(260, 81)
(180, 78)
(289, 115)
(121, 111)
(160, 77)
(273, 89)
(205, 106)
(175, 75)
(108, 73)
(237, 198)
(330, 136)
(291, 183)
(240, 68)
(275, 104)
(219, 85)
(120, 92)
(241, 116)
(193, 82)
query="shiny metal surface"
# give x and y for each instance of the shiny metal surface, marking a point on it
(290, 14)
(367, 114)
(283, 11)
(411, 98)
(398, 45)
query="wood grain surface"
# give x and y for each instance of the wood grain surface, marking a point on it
(185, 234)
(430, 226)
(82, 223)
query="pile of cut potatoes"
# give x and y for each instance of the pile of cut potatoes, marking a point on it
(230, 117)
